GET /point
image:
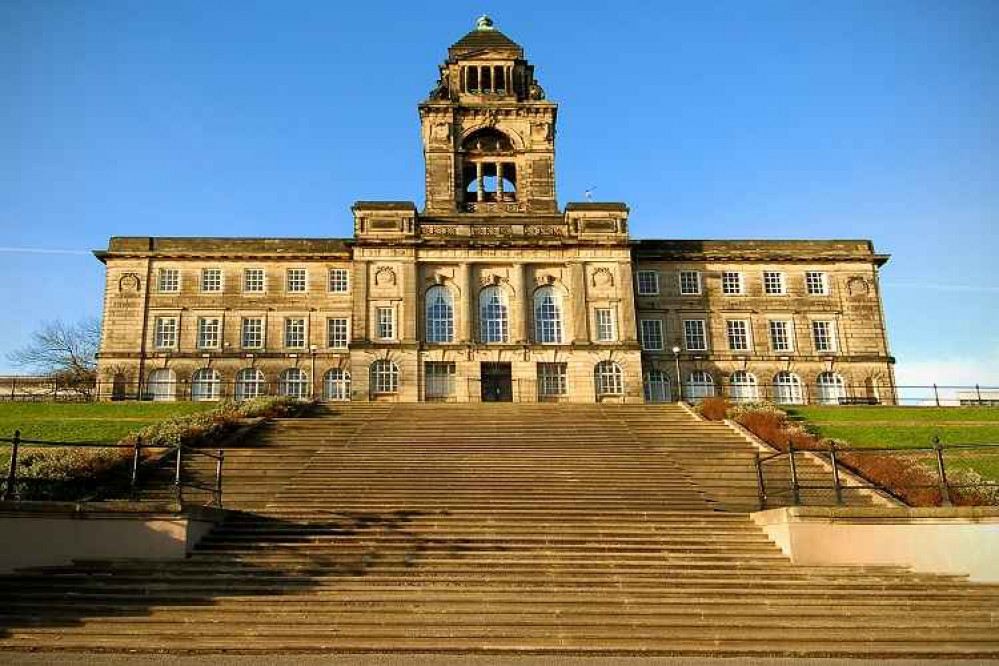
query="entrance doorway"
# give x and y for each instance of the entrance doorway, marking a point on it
(497, 382)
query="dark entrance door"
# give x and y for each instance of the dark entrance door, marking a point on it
(497, 382)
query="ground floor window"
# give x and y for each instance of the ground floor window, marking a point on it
(608, 378)
(162, 385)
(205, 384)
(829, 389)
(293, 383)
(336, 385)
(700, 385)
(657, 387)
(787, 389)
(742, 387)
(552, 380)
(249, 384)
(439, 380)
(384, 377)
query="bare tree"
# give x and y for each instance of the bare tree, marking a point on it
(64, 352)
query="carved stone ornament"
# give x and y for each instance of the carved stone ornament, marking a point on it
(443, 89)
(441, 132)
(602, 277)
(128, 283)
(542, 280)
(857, 286)
(384, 276)
(535, 91)
(492, 279)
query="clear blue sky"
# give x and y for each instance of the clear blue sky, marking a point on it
(732, 119)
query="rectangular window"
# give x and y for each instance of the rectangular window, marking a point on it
(780, 336)
(338, 281)
(208, 333)
(824, 335)
(690, 283)
(294, 333)
(652, 334)
(816, 283)
(605, 325)
(386, 323)
(252, 333)
(694, 336)
(253, 280)
(552, 380)
(648, 283)
(296, 280)
(336, 330)
(211, 279)
(169, 280)
(773, 282)
(738, 334)
(732, 283)
(439, 377)
(166, 333)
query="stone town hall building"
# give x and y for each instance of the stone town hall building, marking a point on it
(491, 291)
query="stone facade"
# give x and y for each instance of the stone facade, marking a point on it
(491, 292)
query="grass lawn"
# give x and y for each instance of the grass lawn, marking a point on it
(87, 422)
(907, 427)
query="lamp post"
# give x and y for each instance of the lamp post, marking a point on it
(679, 381)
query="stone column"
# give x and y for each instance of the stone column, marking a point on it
(627, 327)
(527, 306)
(465, 305)
(499, 181)
(479, 182)
(359, 300)
(518, 317)
(580, 317)
(410, 302)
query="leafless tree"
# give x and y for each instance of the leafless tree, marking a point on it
(64, 352)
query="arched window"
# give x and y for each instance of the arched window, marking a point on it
(829, 388)
(547, 315)
(205, 385)
(336, 385)
(384, 377)
(249, 384)
(787, 389)
(487, 140)
(657, 387)
(162, 385)
(742, 387)
(440, 314)
(700, 385)
(494, 315)
(294, 383)
(608, 378)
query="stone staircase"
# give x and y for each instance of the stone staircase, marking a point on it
(494, 528)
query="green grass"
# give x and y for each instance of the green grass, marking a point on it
(97, 422)
(928, 415)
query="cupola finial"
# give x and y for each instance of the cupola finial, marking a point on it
(484, 23)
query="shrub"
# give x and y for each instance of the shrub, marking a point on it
(713, 409)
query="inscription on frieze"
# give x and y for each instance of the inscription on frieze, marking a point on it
(544, 230)
(491, 230)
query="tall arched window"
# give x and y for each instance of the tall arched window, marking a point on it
(336, 385)
(294, 383)
(547, 315)
(249, 384)
(440, 314)
(205, 385)
(700, 385)
(162, 385)
(657, 387)
(494, 315)
(829, 388)
(787, 389)
(608, 378)
(742, 387)
(384, 377)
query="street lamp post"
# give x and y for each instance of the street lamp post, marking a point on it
(679, 380)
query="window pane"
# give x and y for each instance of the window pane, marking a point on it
(338, 280)
(694, 335)
(652, 334)
(493, 315)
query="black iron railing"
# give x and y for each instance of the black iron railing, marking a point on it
(180, 483)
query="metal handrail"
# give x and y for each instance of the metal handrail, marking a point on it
(832, 452)
(179, 484)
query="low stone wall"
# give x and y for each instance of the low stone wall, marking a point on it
(945, 540)
(56, 533)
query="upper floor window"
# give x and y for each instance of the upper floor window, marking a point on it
(385, 322)
(252, 334)
(339, 282)
(336, 330)
(208, 333)
(773, 282)
(494, 318)
(690, 283)
(606, 326)
(296, 280)
(440, 314)
(165, 333)
(732, 283)
(253, 280)
(816, 283)
(211, 279)
(694, 335)
(652, 334)
(169, 280)
(738, 334)
(824, 336)
(781, 339)
(547, 315)
(648, 283)
(294, 333)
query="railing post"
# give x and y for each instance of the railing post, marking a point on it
(942, 473)
(978, 394)
(761, 490)
(936, 394)
(135, 463)
(795, 494)
(837, 487)
(8, 492)
(178, 489)
(218, 479)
